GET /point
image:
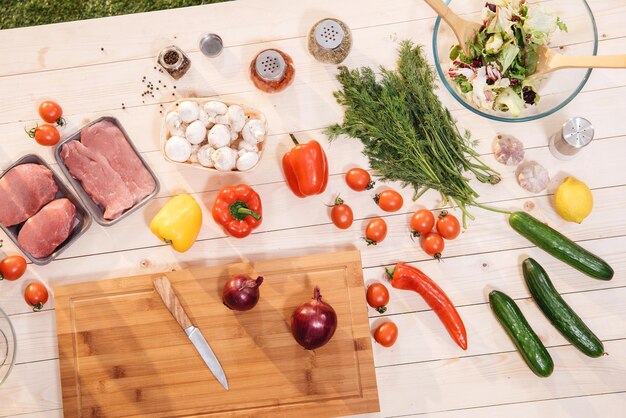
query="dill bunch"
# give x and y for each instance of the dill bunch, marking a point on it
(408, 135)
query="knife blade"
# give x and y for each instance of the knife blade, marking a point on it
(165, 290)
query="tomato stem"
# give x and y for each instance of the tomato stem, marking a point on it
(381, 309)
(390, 272)
(370, 185)
(60, 121)
(369, 241)
(293, 138)
(37, 307)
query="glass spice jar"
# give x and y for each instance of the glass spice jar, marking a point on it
(174, 61)
(330, 41)
(272, 71)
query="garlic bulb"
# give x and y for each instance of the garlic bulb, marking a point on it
(195, 132)
(178, 149)
(188, 111)
(236, 117)
(508, 150)
(219, 136)
(225, 158)
(254, 131)
(247, 161)
(533, 177)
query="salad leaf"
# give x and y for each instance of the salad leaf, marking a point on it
(455, 51)
(562, 26)
(494, 44)
(507, 56)
(507, 100)
(531, 60)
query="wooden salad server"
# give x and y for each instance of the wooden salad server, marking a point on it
(464, 30)
(551, 61)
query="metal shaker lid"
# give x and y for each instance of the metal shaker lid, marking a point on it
(270, 65)
(211, 45)
(329, 34)
(577, 132)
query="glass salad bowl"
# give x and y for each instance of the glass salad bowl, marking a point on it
(556, 89)
(7, 346)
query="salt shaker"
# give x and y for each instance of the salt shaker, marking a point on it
(174, 61)
(330, 41)
(575, 134)
(272, 71)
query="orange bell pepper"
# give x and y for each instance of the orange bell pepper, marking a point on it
(238, 209)
(306, 168)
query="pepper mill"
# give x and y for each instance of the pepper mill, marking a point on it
(575, 134)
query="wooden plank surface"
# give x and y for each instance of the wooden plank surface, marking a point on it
(424, 374)
(136, 360)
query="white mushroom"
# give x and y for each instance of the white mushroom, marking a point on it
(234, 136)
(533, 177)
(247, 161)
(254, 131)
(236, 117)
(248, 147)
(205, 156)
(195, 132)
(225, 158)
(219, 136)
(172, 120)
(215, 108)
(219, 119)
(194, 153)
(204, 118)
(180, 131)
(178, 149)
(188, 111)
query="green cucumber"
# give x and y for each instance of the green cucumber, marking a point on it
(528, 344)
(558, 245)
(558, 311)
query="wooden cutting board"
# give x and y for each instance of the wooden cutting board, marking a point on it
(123, 354)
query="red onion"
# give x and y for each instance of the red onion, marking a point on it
(314, 322)
(241, 292)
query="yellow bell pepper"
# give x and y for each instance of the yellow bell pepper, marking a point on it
(178, 222)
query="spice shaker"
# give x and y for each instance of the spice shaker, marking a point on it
(211, 45)
(272, 71)
(174, 61)
(330, 41)
(575, 134)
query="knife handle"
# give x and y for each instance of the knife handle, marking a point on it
(166, 291)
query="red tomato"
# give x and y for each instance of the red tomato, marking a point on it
(448, 225)
(46, 135)
(51, 112)
(12, 268)
(376, 231)
(432, 243)
(36, 295)
(341, 214)
(422, 222)
(359, 179)
(386, 334)
(389, 200)
(378, 297)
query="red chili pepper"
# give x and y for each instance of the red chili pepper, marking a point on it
(405, 277)
(306, 168)
(238, 209)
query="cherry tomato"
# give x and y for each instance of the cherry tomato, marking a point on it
(36, 295)
(389, 200)
(448, 225)
(341, 214)
(422, 222)
(45, 134)
(432, 243)
(12, 268)
(376, 231)
(386, 334)
(359, 179)
(378, 297)
(51, 112)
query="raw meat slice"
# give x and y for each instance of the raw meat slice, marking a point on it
(103, 185)
(24, 190)
(107, 139)
(48, 228)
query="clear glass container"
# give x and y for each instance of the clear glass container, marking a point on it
(8, 346)
(174, 61)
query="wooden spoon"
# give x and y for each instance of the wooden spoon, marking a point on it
(464, 30)
(549, 61)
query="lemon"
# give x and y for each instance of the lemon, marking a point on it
(573, 200)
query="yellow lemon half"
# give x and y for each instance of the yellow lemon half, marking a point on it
(573, 200)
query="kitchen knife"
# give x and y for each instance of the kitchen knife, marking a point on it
(166, 291)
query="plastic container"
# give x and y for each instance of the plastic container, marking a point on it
(94, 209)
(8, 346)
(81, 224)
(249, 112)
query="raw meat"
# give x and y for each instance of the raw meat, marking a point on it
(24, 190)
(100, 181)
(48, 228)
(107, 139)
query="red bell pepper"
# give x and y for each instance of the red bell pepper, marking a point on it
(306, 168)
(405, 277)
(238, 209)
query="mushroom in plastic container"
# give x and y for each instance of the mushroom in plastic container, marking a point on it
(178, 149)
(225, 158)
(236, 117)
(253, 131)
(219, 136)
(195, 132)
(205, 156)
(188, 111)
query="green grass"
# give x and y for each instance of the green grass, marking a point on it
(19, 13)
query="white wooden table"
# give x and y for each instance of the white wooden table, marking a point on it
(93, 67)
